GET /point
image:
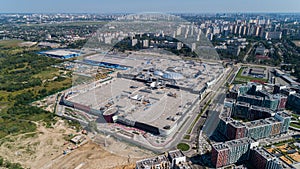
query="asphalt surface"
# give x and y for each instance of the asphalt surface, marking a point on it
(210, 118)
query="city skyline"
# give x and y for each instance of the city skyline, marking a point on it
(134, 6)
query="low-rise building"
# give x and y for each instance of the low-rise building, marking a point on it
(177, 158)
(159, 162)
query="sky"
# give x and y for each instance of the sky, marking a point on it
(137, 6)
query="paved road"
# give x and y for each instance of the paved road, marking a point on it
(217, 96)
(276, 139)
(249, 51)
(218, 100)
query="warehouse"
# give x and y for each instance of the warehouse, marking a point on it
(61, 53)
(146, 93)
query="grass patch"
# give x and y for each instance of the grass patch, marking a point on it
(187, 137)
(183, 147)
(74, 124)
(9, 165)
(284, 142)
(198, 117)
(29, 135)
(83, 23)
(295, 115)
(296, 125)
(10, 43)
(22, 77)
(244, 79)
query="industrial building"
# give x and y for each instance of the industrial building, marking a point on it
(61, 53)
(152, 94)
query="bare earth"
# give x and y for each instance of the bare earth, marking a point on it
(297, 43)
(45, 150)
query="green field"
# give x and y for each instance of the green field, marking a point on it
(24, 78)
(296, 125)
(183, 147)
(83, 23)
(244, 79)
(9, 43)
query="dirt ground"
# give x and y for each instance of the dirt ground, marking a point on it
(297, 43)
(44, 149)
(295, 156)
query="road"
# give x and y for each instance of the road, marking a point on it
(279, 138)
(208, 123)
(249, 51)
(217, 103)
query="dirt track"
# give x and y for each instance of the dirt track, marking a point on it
(45, 150)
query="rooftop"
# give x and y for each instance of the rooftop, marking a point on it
(60, 52)
(237, 124)
(143, 94)
(239, 103)
(268, 156)
(283, 114)
(145, 163)
(272, 120)
(176, 154)
(220, 146)
(241, 141)
(253, 107)
(256, 123)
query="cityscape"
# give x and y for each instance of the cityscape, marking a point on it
(204, 86)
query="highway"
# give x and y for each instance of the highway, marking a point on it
(207, 124)
(217, 103)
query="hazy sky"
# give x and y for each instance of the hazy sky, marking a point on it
(115, 6)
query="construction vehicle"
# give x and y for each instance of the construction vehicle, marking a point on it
(100, 75)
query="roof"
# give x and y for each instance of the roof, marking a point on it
(60, 52)
(264, 153)
(256, 123)
(147, 163)
(176, 154)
